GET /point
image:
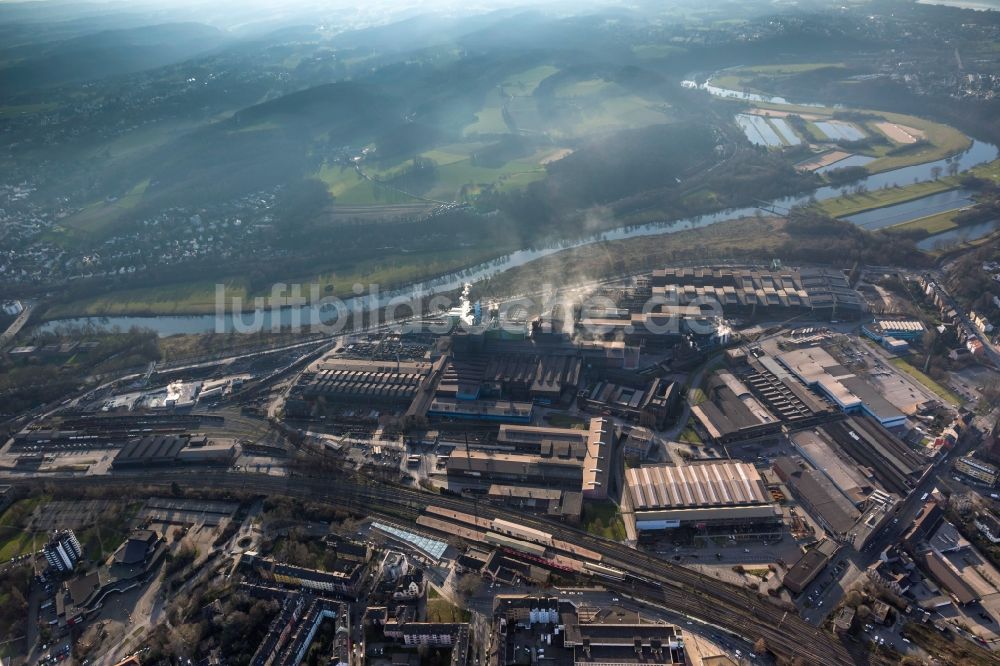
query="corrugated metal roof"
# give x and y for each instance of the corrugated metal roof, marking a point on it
(716, 484)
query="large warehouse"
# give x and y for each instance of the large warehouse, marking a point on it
(752, 291)
(727, 498)
(364, 381)
(731, 413)
(816, 368)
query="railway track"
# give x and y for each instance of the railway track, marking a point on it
(740, 612)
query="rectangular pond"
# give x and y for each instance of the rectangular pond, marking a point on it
(758, 131)
(911, 210)
(786, 131)
(958, 235)
(839, 130)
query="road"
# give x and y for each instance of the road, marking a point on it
(16, 325)
(991, 351)
(830, 594)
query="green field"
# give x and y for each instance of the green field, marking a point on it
(740, 78)
(453, 152)
(651, 51)
(990, 170)
(584, 88)
(13, 110)
(524, 83)
(350, 189)
(14, 540)
(932, 224)
(100, 214)
(489, 119)
(457, 176)
(179, 299)
(587, 107)
(21, 543)
(791, 68)
(608, 114)
(857, 203)
(939, 390)
(199, 297)
(944, 141)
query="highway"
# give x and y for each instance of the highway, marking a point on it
(739, 612)
(16, 325)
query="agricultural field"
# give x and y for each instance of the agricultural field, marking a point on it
(198, 297)
(10, 111)
(172, 299)
(489, 119)
(525, 82)
(852, 203)
(653, 51)
(596, 107)
(744, 78)
(932, 224)
(457, 176)
(574, 109)
(101, 214)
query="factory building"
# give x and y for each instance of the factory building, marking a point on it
(638, 444)
(540, 440)
(785, 396)
(559, 458)
(498, 411)
(746, 291)
(520, 371)
(171, 450)
(654, 406)
(900, 329)
(363, 381)
(818, 496)
(727, 498)
(801, 574)
(815, 368)
(895, 466)
(731, 413)
(563, 504)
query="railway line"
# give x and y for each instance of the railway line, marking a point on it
(740, 612)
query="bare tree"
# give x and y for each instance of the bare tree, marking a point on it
(468, 585)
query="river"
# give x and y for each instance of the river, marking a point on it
(978, 153)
